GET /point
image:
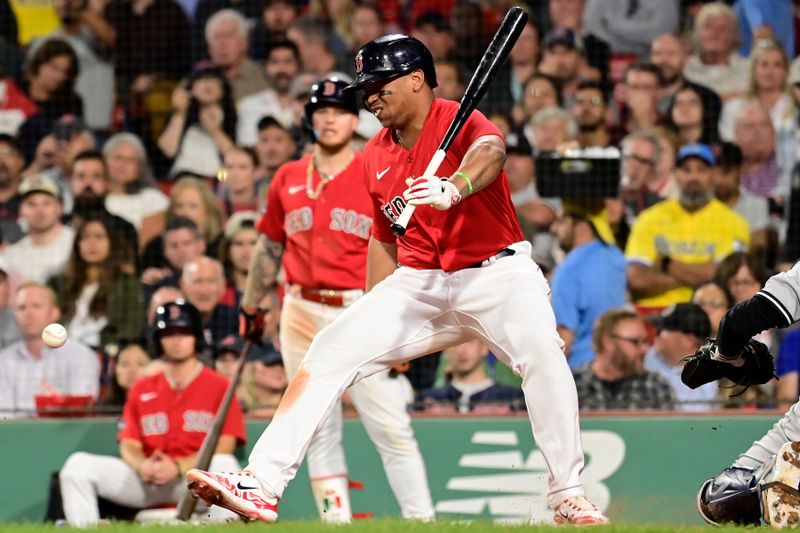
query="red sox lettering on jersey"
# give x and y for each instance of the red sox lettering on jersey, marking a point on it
(324, 238)
(176, 422)
(476, 229)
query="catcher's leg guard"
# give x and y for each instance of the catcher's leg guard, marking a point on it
(732, 497)
(780, 498)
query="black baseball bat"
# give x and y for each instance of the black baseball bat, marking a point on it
(209, 446)
(494, 56)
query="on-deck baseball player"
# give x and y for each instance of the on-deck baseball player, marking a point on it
(461, 271)
(763, 481)
(320, 215)
(165, 419)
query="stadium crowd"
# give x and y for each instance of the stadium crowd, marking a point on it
(138, 139)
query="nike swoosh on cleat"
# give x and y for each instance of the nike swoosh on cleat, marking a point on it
(244, 487)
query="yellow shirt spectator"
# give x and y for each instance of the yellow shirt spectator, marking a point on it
(668, 230)
(35, 18)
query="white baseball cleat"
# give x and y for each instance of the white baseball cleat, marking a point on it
(780, 498)
(579, 511)
(239, 492)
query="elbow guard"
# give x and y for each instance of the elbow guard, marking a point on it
(744, 320)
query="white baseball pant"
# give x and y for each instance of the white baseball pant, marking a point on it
(414, 312)
(382, 404)
(86, 476)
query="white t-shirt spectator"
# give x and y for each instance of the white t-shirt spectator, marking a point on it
(733, 77)
(137, 206)
(253, 108)
(38, 263)
(197, 154)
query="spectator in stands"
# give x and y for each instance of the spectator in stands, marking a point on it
(203, 283)
(688, 118)
(50, 75)
(715, 61)
(630, 27)
(202, 126)
(539, 92)
(275, 146)
(469, 32)
(535, 214)
(204, 10)
(676, 244)
(226, 356)
(240, 191)
(151, 47)
(564, 58)
(682, 329)
(589, 111)
(468, 385)
(639, 101)
(742, 275)
(551, 128)
(129, 365)
(715, 301)
(787, 368)
(365, 24)
(85, 28)
(227, 36)
(639, 190)
(589, 281)
(88, 183)
(28, 368)
(663, 183)
(282, 66)
(276, 18)
(132, 193)
(507, 90)
(569, 15)
(44, 251)
(450, 81)
(15, 107)
(264, 382)
(182, 242)
(100, 302)
(616, 378)
(313, 37)
(765, 20)
(165, 419)
(11, 165)
(769, 74)
(728, 190)
(762, 174)
(237, 248)
(433, 30)
(194, 199)
(668, 54)
(9, 331)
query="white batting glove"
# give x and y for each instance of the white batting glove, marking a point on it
(436, 192)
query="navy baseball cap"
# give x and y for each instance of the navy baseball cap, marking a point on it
(566, 38)
(698, 151)
(685, 318)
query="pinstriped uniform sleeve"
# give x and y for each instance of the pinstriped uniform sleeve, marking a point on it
(783, 291)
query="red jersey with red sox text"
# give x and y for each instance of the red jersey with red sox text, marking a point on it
(177, 421)
(473, 230)
(325, 239)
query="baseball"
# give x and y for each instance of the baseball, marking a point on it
(54, 335)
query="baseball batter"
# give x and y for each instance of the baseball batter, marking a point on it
(754, 486)
(164, 421)
(320, 214)
(461, 271)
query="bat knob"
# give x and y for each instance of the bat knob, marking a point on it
(398, 230)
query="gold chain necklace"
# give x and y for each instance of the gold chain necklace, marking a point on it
(314, 192)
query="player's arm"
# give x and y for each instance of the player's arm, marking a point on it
(131, 451)
(692, 275)
(381, 261)
(262, 277)
(481, 165)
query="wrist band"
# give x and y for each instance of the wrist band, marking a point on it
(470, 188)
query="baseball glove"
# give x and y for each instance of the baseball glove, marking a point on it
(758, 366)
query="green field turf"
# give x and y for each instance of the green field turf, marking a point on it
(379, 526)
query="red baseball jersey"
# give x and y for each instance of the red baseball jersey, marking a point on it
(325, 239)
(474, 230)
(176, 422)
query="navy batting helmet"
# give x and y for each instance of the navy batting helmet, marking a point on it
(179, 314)
(389, 57)
(330, 91)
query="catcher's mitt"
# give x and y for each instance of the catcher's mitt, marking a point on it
(758, 366)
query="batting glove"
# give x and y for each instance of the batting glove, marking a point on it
(437, 192)
(251, 324)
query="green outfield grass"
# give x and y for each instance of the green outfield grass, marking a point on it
(379, 526)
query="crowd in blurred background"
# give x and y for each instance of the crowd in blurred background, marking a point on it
(138, 139)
